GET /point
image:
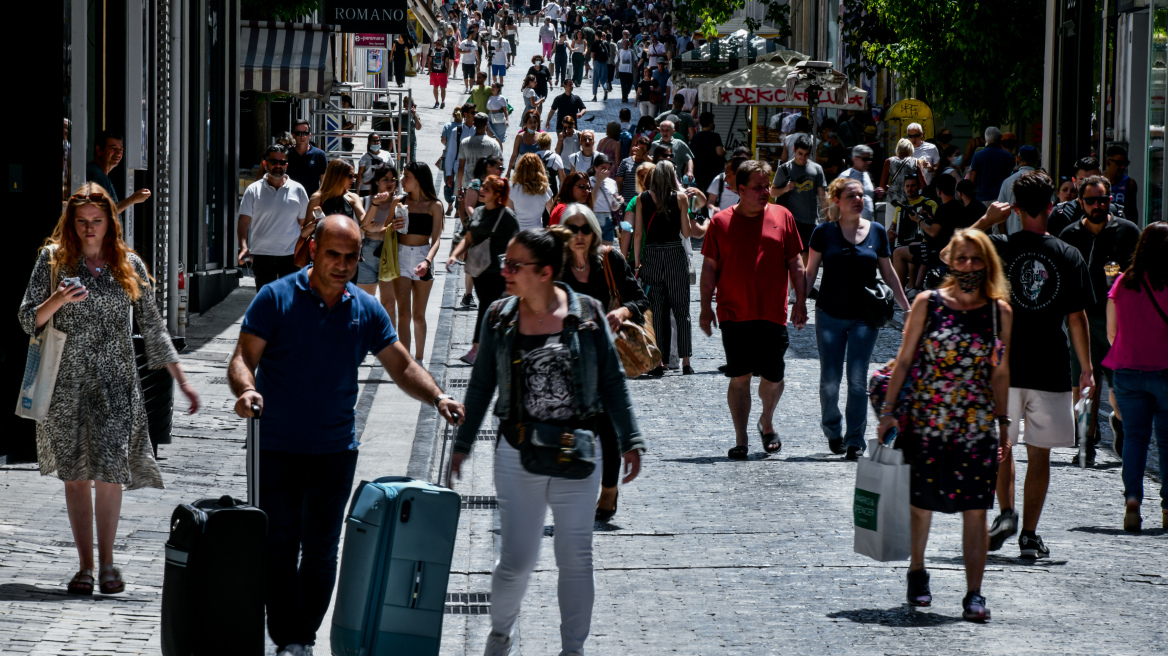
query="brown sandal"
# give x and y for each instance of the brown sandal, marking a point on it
(82, 583)
(111, 580)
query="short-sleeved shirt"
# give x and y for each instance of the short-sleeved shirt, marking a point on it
(752, 255)
(1116, 243)
(707, 162)
(479, 96)
(992, 165)
(847, 268)
(454, 134)
(627, 172)
(93, 173)
(367, 162)
(468, 51)
(907, 230)
(681, 152)
(474, 148)
(275, 216)
(929, 153)
(307, 168)
(1138, 325)
(439, 57)
(566, 105)
(1048, 280)
(480, 226)
(950, 217)
(803, 200)
(683, 123)
(308, 372)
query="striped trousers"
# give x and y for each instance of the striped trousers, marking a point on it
(665, 272)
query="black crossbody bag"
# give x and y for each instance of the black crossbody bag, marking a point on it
(548, 449)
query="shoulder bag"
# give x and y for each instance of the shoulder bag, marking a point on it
(478, 258)
(636, 344)
(547, 449)
(40, 372)
(877, 302)
(1152, 296)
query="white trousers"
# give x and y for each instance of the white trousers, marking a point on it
(523, 502)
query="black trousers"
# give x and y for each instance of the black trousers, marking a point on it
(268, 268)
(489, 287)
(626, 80)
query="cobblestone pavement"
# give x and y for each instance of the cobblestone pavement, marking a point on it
(706, 556)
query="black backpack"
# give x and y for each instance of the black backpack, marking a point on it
(553, 180)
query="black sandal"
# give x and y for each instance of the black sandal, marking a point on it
(738, 452)
(918, 588)
(770, 441)
(79, 585)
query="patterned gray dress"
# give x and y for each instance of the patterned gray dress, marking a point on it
(96, 425)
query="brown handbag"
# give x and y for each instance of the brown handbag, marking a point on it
(636, 344)
(302, 257)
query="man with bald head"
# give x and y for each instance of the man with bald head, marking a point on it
(303, 338)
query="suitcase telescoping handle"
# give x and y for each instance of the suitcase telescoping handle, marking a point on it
(253, 457)
(449, 461)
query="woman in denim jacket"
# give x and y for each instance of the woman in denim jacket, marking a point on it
(559, 344)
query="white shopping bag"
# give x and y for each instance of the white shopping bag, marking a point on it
(40, 373)
(881, 504)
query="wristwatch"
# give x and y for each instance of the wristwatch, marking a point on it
(441, 397)
(1003, 420)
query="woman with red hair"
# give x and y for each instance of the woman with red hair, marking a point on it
(492, 221)
(87, 283)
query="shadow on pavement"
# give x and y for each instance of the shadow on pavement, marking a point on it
(27, 592)
(899, 616)
(1107, 530)
(710, 460)
(1102, 465)
(998, 559)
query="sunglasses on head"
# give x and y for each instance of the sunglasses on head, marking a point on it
(585, 229)
(81, 199)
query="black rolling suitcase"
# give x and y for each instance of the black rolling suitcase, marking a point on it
(213, 585)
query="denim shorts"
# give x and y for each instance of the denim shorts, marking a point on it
(607, 229)
(498, 71)
(370, 265)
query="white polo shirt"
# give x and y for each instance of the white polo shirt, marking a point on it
(275, 216)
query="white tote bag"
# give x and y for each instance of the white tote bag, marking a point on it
(881, 505)
(40, 373)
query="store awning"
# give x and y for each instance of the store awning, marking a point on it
(765, 84)
(425, 17)
(291, 58)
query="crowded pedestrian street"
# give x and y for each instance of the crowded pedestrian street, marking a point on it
(441, 386)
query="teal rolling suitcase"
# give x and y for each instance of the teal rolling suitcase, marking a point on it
(391, 593)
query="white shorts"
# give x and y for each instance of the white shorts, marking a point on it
(1049, 418)
(409, 257)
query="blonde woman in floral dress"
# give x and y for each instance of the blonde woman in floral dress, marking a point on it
(88, 284)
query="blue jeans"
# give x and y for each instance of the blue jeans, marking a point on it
(599, 75)
(304, 496)
(1143, 401)
(840, 341)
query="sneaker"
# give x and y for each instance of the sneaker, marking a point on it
(435, 106)
(443, 105)
(1032, 547)
(468, 301)
(854, 453)
(1117, 429)
(973, 607)
(918, 588)
(1004, 526)
(498, 645)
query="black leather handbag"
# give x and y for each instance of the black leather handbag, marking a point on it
(879, 305)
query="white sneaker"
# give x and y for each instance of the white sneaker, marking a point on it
(499, 645)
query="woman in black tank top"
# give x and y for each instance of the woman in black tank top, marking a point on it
(417, 248)
(334, 196)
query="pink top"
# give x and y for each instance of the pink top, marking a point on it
(1141, 339)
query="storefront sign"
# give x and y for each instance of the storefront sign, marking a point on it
(365, 40)
(778, 97)
(375, 61)
(377, 16)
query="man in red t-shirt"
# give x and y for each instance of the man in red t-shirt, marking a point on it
(750, 251)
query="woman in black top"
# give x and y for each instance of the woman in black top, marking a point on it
(657, 247)
(851, 249)
(496, 222)
(542, 76)
(560, 59)
(397, 53)
(585, 274)
(417, 248)
(334, 197)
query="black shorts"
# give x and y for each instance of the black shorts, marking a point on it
(917, 252)
(468, 71)
(805, 230)
(755, 347)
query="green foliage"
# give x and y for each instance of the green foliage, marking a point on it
(980, 57)
(282, 10)
(704, 16)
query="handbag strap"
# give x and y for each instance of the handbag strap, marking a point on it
(1152, 296)
(613, 292)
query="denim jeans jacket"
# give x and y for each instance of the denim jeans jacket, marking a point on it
(599, 384)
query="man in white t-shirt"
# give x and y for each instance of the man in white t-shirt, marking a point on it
(656, 50)
(581, 160)
(923, 150)
(271, 214)
(861, 162)
(468, 50)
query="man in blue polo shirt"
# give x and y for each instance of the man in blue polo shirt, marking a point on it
(306, 162)
(303, 338)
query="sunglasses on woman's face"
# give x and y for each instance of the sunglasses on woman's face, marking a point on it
(585, 230)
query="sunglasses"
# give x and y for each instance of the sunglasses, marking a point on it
(277, 162)
(81, 199)
(913, 136)
(865, 159)
(585, 229)
(1096, 200)
(301, 133)
(585, 187)
(511, 266)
